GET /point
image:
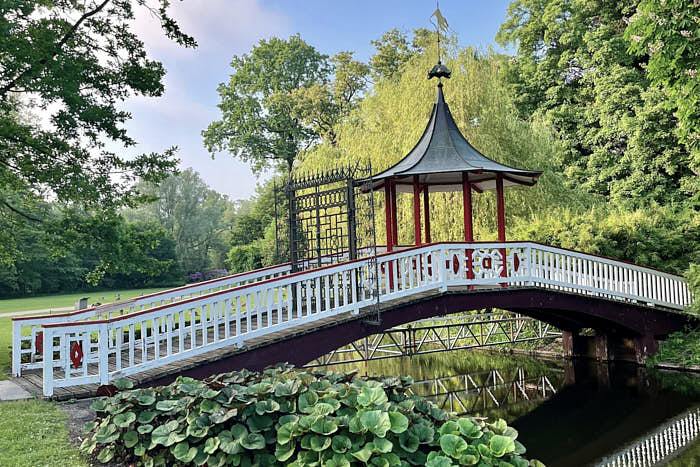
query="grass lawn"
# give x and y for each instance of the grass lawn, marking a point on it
(5, 348)
(63, 300)
(34, 433)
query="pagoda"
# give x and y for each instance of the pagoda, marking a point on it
(444, 161)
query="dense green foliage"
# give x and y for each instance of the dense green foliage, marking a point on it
(668, 32)
(573, 69)
(252, 238)
(66, 66)
(196, 217)
(285, 417)
(680, 348)
(85, 251)
(258, 125)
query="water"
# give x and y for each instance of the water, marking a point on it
(567, 413)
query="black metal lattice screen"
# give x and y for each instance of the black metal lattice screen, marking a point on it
(325, 211)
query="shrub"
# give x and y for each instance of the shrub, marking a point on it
(195, 277)
(300, 418)
(215, 274)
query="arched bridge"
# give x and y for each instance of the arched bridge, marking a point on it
(272, 315)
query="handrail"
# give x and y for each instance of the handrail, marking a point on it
(28, 328)
(98, 351)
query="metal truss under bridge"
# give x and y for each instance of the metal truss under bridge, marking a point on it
(465, 331)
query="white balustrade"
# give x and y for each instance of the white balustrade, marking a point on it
(655, 448)
(101, 350)
(27, 330)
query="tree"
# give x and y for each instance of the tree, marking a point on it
(192, 214)
(74, 61)
(667, 34)
(323, 106)
(394, 49)
(257, 123)
(572, 68)
(65, 67)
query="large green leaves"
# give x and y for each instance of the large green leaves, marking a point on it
(399, 422)
(372, 396)
(452, 445)
(238, 419)
(501, 445)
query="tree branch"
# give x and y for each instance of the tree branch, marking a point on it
(17, 211)
(66, 37)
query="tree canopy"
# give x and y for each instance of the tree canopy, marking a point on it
(257, 123)
(572, 67)
(72, 62)
(65, 68)
(196, 217)
(668, 33)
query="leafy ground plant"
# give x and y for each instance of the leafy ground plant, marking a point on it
(288, 417)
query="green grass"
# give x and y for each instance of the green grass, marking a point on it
(34, 433)
(63, 300)
(689, 457)
(5, 348)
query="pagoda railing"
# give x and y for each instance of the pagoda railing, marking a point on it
(99, 351)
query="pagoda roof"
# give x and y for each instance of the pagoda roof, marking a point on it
(441, 156)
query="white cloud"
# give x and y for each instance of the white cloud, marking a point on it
(215, 24)
(222, 28)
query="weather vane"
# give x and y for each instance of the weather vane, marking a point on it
(439, 71)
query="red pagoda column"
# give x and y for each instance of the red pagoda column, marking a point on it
(468, 226)
(426, 212)
(500, 206)
(416, 210)
(394, 215)
(467, 200)
(387, 214)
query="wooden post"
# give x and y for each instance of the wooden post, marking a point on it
(467, 200)
(390, 234)
(387, 214)
(501, 209)
(394, 215)
(416, 210)
(426, 212)
(500, 206)
(468, 223)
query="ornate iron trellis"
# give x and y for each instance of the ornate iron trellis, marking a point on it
(330, 218)
(321, 226)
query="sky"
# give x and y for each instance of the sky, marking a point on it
(224, 28)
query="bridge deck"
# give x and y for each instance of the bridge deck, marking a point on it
(32, 381)
(569, 290)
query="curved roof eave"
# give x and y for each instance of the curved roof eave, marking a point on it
(449, 152)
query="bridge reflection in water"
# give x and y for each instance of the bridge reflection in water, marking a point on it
(487, 391)
(568, 413)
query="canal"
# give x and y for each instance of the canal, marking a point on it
(568, 413)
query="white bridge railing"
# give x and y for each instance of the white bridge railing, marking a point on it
(100, 351)
(27, 332)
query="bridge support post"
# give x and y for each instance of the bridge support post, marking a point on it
(603, 352)
(645, 346)
(609, 346)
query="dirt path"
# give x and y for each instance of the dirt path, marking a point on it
(15, 314)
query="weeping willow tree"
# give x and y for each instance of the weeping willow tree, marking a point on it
(392, 117)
